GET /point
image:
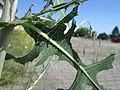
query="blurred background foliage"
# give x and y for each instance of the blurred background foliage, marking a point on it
(20, 44)
(103, 36)
(11, 71)
(84, 32)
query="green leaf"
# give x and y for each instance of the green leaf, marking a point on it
(57, 34)
(9, 56)
(48, 3)
(3, 24)
(83, 73)
(48, 21)
(62, 6)
(41, 46)
(11, 23)
(57, 39)
(52, 41)
(80, 1)
(82, 81)
(62, 12)
(63, 40)
(48, 50)
(34, 34)
(32, 54)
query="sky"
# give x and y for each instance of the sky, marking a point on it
(103, 15)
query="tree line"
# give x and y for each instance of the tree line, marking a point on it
(87, 33)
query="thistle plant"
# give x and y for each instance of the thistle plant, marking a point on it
(51, 41)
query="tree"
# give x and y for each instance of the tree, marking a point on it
(103, 36)
(115, 31)
(115, 36)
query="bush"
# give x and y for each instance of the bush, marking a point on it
(82, 32)
(11, 71)
(20, 44)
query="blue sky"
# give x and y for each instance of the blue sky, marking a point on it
(103, 15)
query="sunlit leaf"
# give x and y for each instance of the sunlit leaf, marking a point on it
(81, 81)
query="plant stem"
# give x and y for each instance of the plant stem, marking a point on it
(54, 9)
(40, 76)
(9, 10)
(94, 46)
(2, 58)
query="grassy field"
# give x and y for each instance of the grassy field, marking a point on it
(110, 79)
(95, 52)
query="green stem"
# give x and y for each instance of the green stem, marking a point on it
(62, 49)
(7, 15)
(2, 58)
(40, 76)
(54, 9)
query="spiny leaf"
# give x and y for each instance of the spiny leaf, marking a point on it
(55, 39)
(52, 32)
(61, 39)
(56, 33)
(62, 43)
(82, 69)
(48, 3)
(65, 43)
(67, 18)
(34, 34)
(82, 81)
(48, 51)
(63, 51)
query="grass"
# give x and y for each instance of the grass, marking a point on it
(11, 71)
